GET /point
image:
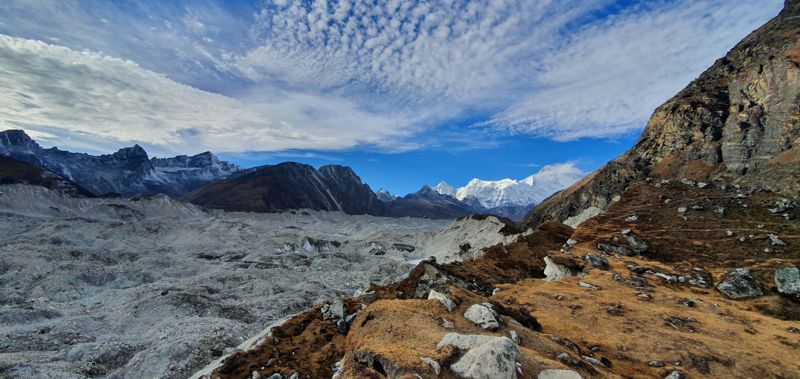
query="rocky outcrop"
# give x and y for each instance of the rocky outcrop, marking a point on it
(739, 122)
(128, 172)
(739, 284)
(291, 186)
(13, 171)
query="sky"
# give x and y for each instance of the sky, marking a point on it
(405, 92)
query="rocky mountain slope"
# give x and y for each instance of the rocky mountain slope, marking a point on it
(128, 172)
(13, 171)
(291, 186)
(739, 121)
(687, 264)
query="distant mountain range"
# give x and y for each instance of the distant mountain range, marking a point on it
(205, 180)
(128, 172)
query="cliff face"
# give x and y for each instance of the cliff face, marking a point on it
(738, 122)
(291, 186)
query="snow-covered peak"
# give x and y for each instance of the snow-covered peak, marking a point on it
(504, 192)
(445, 189)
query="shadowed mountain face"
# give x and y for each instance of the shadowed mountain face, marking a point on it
(13, 171)
(291, 186)
(129, 171)
(738, 122)
(428, 203)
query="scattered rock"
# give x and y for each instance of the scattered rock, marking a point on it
(611, 249)
(571, 242)
(597, 261)
(594, 361)
(482, 315)
(444, 299)
(554, 271)
(626, 232)
(739, 284)
(588, 285)
(788, 281)
(632, 218)
(404, 247)
(729, 233)
(486, 356)
(702, 185)
(514, 336)
(682, 209)
(720, 211)
(567, 359)
(655, 364)
(675, 375)
(558, 374)
(782, 205)
(775, 240)
(433, 364)
(638, 246)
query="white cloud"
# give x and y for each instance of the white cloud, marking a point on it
(91, 94)
(344, 74)
(607, 79)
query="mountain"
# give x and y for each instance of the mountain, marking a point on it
(737, 123)
(13, 171)
(445, 189)
(129, 171)
(427, 203)
(505, 193)
(291, 186)
(384, 195)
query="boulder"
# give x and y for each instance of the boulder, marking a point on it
(444, 299)
(487, 357)
(404, 247)
(597, 261)
(482, 315)
(739, 284)
(611, 249)
(788, 281)
(558, 374)
(554, 271)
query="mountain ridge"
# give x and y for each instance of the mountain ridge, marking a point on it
(129, 171)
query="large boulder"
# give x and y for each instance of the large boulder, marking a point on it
(558, 374)
(739, 284)
(788, 281)
(482, 315)
(487, 357)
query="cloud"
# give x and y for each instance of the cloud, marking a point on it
(348, 74)
(47, 86)
(608, 78)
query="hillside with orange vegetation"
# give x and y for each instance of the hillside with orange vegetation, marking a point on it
(684, 262)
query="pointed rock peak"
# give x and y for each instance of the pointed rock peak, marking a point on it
(134, 152)
(17, 138)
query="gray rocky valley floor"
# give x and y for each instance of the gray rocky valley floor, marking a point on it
(156, 288)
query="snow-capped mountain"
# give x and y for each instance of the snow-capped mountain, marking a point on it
(509, 192)
(129, 171)
(445, 189)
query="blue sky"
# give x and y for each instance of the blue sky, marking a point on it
(406, 93)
